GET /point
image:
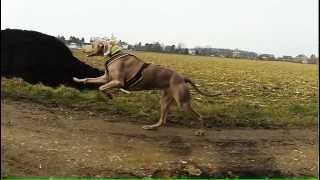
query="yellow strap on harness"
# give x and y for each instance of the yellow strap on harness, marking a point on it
(115, 49)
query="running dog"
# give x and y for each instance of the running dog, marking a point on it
(128, 73)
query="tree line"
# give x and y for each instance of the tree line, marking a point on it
(72, 39)
(157, 47)
(200, 51)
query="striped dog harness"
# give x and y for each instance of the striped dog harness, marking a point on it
(115, 57)
(136, 78)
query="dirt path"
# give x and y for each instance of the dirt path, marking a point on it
(50, 141)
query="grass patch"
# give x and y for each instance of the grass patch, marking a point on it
(257, 94)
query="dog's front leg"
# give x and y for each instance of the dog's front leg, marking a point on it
(98, 80)
(111, 85)
(84, 80)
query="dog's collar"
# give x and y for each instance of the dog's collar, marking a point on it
(113, 54)
(114, 50)
(115, 57)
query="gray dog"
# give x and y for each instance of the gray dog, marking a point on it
(127, 72)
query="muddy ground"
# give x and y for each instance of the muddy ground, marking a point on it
(41, 141)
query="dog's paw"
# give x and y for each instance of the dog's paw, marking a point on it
(75, 79)
(101, 88)
(200, 132)
(79, 80)
(109, 95)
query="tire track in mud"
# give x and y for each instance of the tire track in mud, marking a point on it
(51, 141)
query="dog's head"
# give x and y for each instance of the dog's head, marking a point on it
(100, 47)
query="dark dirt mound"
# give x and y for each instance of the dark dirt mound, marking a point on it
(38, 57)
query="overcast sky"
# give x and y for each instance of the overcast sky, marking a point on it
(280, 27)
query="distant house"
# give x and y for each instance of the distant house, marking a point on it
(192, 51)
(74, 46)
(313, 59)
(266, 57)
(126, 46)
(302, 58)
(236, 53)
(87, 47)
(287, 57)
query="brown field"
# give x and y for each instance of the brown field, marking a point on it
(264, 125)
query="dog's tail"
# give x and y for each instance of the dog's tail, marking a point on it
(187, 80)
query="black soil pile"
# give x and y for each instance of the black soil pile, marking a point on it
(38, 57)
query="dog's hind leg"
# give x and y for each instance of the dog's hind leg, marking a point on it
(187, 107)
(98, 80)
(183, 98)
(165, 102)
